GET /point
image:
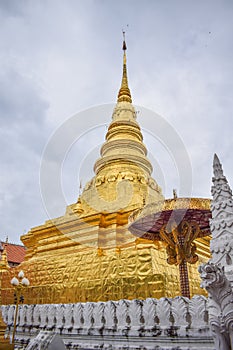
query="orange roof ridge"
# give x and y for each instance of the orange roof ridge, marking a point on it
(17, 244)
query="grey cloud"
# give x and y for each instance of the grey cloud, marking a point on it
(22, 110)
(23, 134)
(13, 7)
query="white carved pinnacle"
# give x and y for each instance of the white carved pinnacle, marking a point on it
(217, 166)
(217, 274)
(221, 224)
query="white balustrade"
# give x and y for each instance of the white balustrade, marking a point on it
(164, 317)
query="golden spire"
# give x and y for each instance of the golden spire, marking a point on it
(3, 261)
(124, 92)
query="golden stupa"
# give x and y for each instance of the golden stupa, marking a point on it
(89, 254)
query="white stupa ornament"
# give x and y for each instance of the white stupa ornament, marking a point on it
(221, 224)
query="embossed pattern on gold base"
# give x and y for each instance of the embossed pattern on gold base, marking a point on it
(77, 272)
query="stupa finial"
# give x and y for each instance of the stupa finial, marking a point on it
(124, 92)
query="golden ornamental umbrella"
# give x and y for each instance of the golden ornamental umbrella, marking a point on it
(177, 222)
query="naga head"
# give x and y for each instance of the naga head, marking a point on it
(212, 276)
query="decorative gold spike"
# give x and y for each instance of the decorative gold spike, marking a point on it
(124, 43)
(124, 94)
(3, 261)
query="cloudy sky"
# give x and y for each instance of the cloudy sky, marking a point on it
(60, 58)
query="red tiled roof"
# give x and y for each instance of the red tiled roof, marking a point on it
(15, 252)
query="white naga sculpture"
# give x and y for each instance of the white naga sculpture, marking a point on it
(220, 304)
(217, 274)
